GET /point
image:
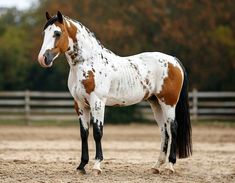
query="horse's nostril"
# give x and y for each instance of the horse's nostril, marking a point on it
(48, 57)
(45, 60)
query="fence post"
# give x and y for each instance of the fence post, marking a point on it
(27, 106)
(195, 104)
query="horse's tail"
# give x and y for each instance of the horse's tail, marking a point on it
(184, 131)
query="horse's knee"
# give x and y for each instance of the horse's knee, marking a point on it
(83, 132)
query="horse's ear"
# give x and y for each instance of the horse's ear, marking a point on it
(60, 17)
(48, 16)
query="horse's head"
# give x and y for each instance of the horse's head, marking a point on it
(56, 39)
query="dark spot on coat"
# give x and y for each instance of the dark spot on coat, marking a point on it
(114, 68)
(86, 102)
(84, 73)
(147, 81)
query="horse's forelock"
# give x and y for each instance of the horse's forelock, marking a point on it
(51, 21)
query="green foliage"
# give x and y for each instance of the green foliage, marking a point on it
(13, 56)
(200, 34)
(224, 35)
(122, 114)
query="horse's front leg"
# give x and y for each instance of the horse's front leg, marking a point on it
(84, 120)
(97, 106)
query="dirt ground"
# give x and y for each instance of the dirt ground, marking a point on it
(51, 154)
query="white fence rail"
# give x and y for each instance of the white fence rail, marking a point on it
(33, 105)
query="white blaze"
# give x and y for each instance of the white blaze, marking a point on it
(48, 42)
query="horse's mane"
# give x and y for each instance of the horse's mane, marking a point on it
(90, 33)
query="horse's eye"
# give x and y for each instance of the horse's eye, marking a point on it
(57, 34)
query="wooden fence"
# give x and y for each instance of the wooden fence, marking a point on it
(32, 105)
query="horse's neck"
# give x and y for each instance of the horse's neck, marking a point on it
(87, 46)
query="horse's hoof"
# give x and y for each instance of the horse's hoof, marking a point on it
(96, 172)
(155, 170)
(81, 171)
(168, 171)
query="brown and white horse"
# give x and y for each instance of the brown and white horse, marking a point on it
(99, 78)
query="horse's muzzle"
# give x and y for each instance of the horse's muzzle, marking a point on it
(48, 57)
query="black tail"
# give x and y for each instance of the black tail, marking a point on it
(184, 131)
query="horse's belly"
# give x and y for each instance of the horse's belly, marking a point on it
(124, 92)
(124, 100)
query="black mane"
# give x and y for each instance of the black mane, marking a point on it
(51, 21)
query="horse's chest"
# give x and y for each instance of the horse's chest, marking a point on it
(83, 81)
(76, 82)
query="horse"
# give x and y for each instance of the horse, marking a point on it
(99, 78)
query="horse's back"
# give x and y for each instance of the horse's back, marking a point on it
(139, 76)
(154, 67)
(153, 58)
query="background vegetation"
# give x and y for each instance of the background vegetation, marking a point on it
(200, 33)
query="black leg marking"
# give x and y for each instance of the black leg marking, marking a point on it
(172, 156)
(98, 133)
(85, 155)
(166, 140)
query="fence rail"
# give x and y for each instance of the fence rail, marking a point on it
(35, 105)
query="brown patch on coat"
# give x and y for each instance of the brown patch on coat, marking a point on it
(86, 102)
(77, 108)
(145, 87)
(62, 43)
(89, 82)
(72, 31)
(146, 96)
(171, 87)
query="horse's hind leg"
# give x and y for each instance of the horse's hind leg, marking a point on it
(170, 126)
(158, 116)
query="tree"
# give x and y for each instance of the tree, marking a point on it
(200, 33)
